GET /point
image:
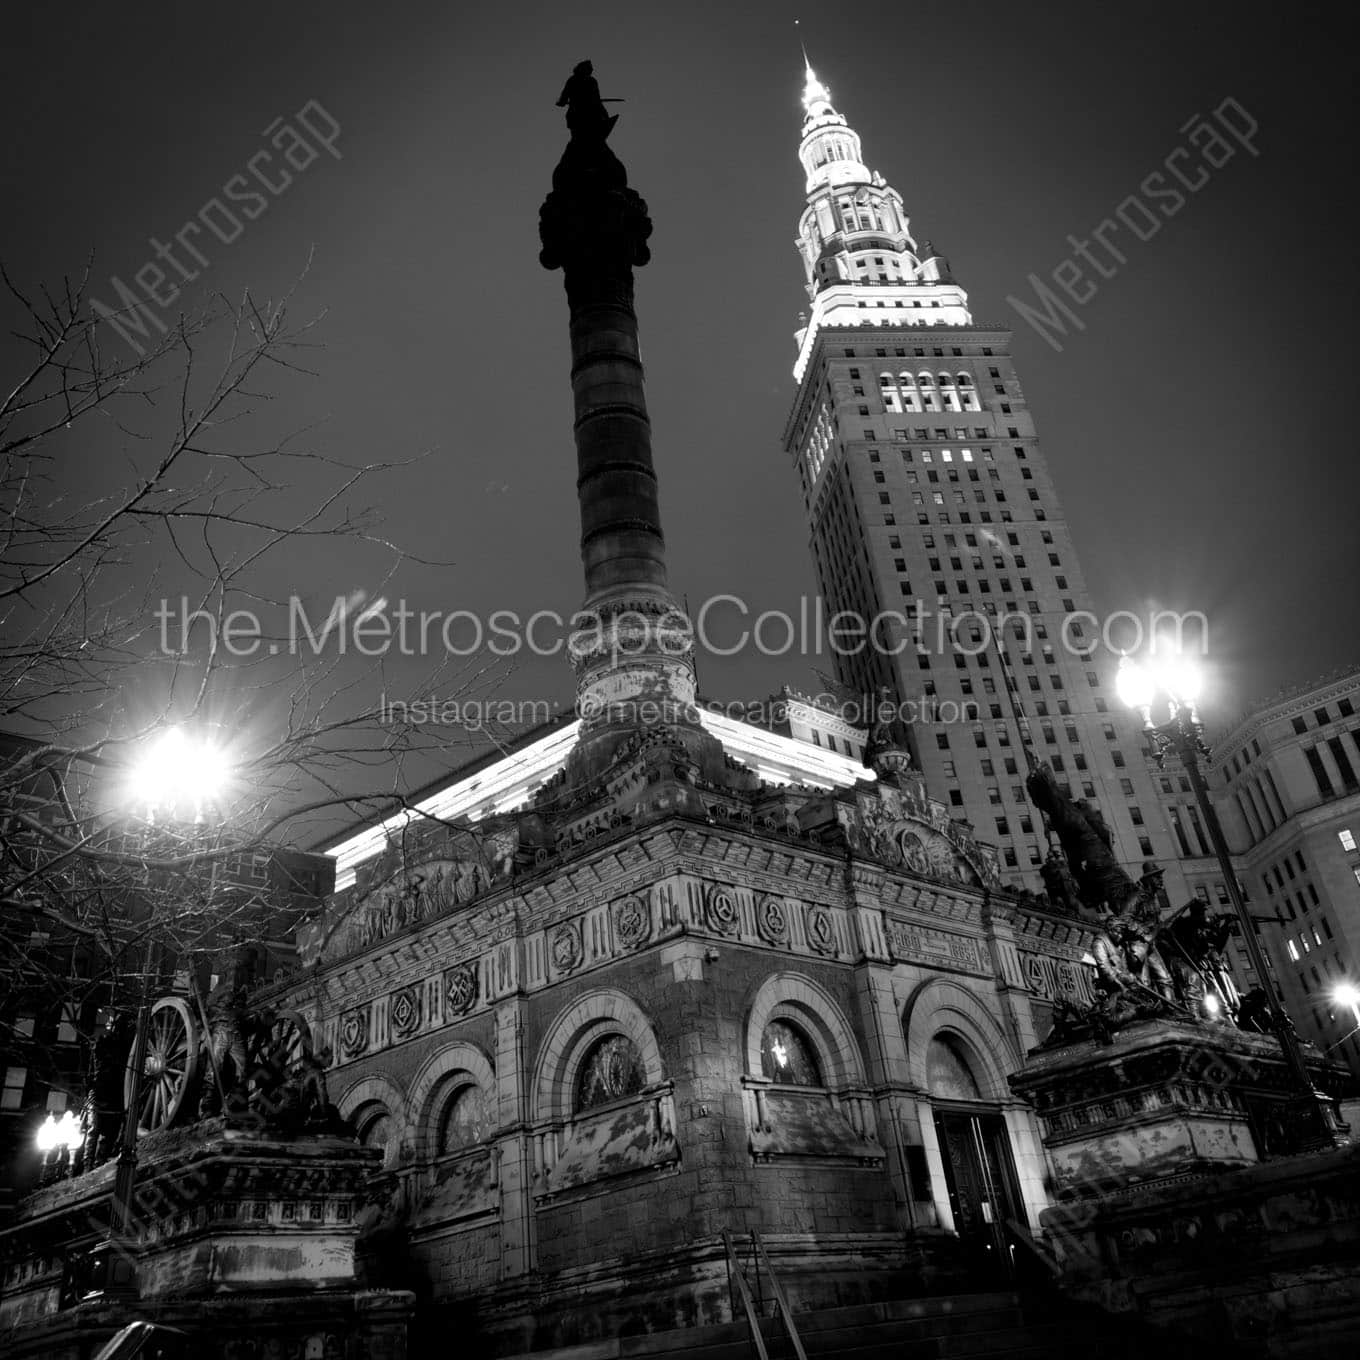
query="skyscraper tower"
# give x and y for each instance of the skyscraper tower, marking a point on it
(934, 519)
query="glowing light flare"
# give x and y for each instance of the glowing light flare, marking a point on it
(178, 772)
(54, 1133)
(814, 92)
(1135, 686)
(1347, 994)
(1180, 678)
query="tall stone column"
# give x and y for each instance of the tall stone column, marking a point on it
(632, 650)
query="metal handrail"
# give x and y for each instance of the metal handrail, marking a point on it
(748, 1302)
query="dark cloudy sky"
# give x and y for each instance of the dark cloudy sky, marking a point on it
(1197, 427)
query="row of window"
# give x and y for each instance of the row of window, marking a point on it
(612, 1069)
(901, 353)
(15, 1089)
(965, 517)
(1340, 758)
(1322, 716)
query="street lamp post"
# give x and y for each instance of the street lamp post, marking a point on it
(1315, 1125)
(177, 778)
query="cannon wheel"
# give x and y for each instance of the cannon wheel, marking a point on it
(283, 1046)
(172, 1043)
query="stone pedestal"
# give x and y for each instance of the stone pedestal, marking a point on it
(1262, 1262)
(233, 1236)
(1166, 1099)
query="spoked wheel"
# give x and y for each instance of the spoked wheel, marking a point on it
(170, 1067)
(279, 1051)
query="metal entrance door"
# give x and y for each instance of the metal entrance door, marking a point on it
(983, 1193)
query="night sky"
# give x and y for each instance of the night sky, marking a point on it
(1196, 428)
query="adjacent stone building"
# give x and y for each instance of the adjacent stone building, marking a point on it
(1286, 782)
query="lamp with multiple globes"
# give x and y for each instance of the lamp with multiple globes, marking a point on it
(57, 1140)
(1179, 681)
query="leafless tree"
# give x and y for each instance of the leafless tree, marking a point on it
(127, 480)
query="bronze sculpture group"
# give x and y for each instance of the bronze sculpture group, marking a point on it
(259, 1071)
(1149, 960)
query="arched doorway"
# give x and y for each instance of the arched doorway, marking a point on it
(979, 1171)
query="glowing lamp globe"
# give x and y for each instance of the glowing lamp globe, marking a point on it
(179, 772)
(1134, 685)
(1182, 679)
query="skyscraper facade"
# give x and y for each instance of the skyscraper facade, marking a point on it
(935, 524)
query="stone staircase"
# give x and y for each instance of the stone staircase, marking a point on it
(965, 1326)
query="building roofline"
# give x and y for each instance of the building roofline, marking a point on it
(1231, 732)
(469, 767)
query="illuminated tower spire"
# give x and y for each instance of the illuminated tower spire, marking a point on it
(862, 265)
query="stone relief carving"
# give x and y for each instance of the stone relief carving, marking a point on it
(460, 989)
(720, 909)
(632, 922)
(772, 919)
(566, 947)
(403, 1011)
(821, 930)
(915, 844)
(354, 1032)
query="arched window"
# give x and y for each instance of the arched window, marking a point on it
(464, 1120)
(946, 380)
(787, 1057)
(906, 380)
(949, 1074)
(965, 380)
(611, 1070)
(376, 1128)
(925, 379)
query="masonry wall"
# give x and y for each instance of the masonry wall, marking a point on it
(561, 1223)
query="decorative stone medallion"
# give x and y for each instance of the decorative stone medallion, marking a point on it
(772, 919)
(566, 947)
(403, 1012)
(460, 989)
(720, 909)
(821, 931)
(354, 1032)
(632, 924)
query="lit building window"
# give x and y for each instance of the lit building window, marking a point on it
(612, 1070)
(1347, 839)
(786, 1056)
